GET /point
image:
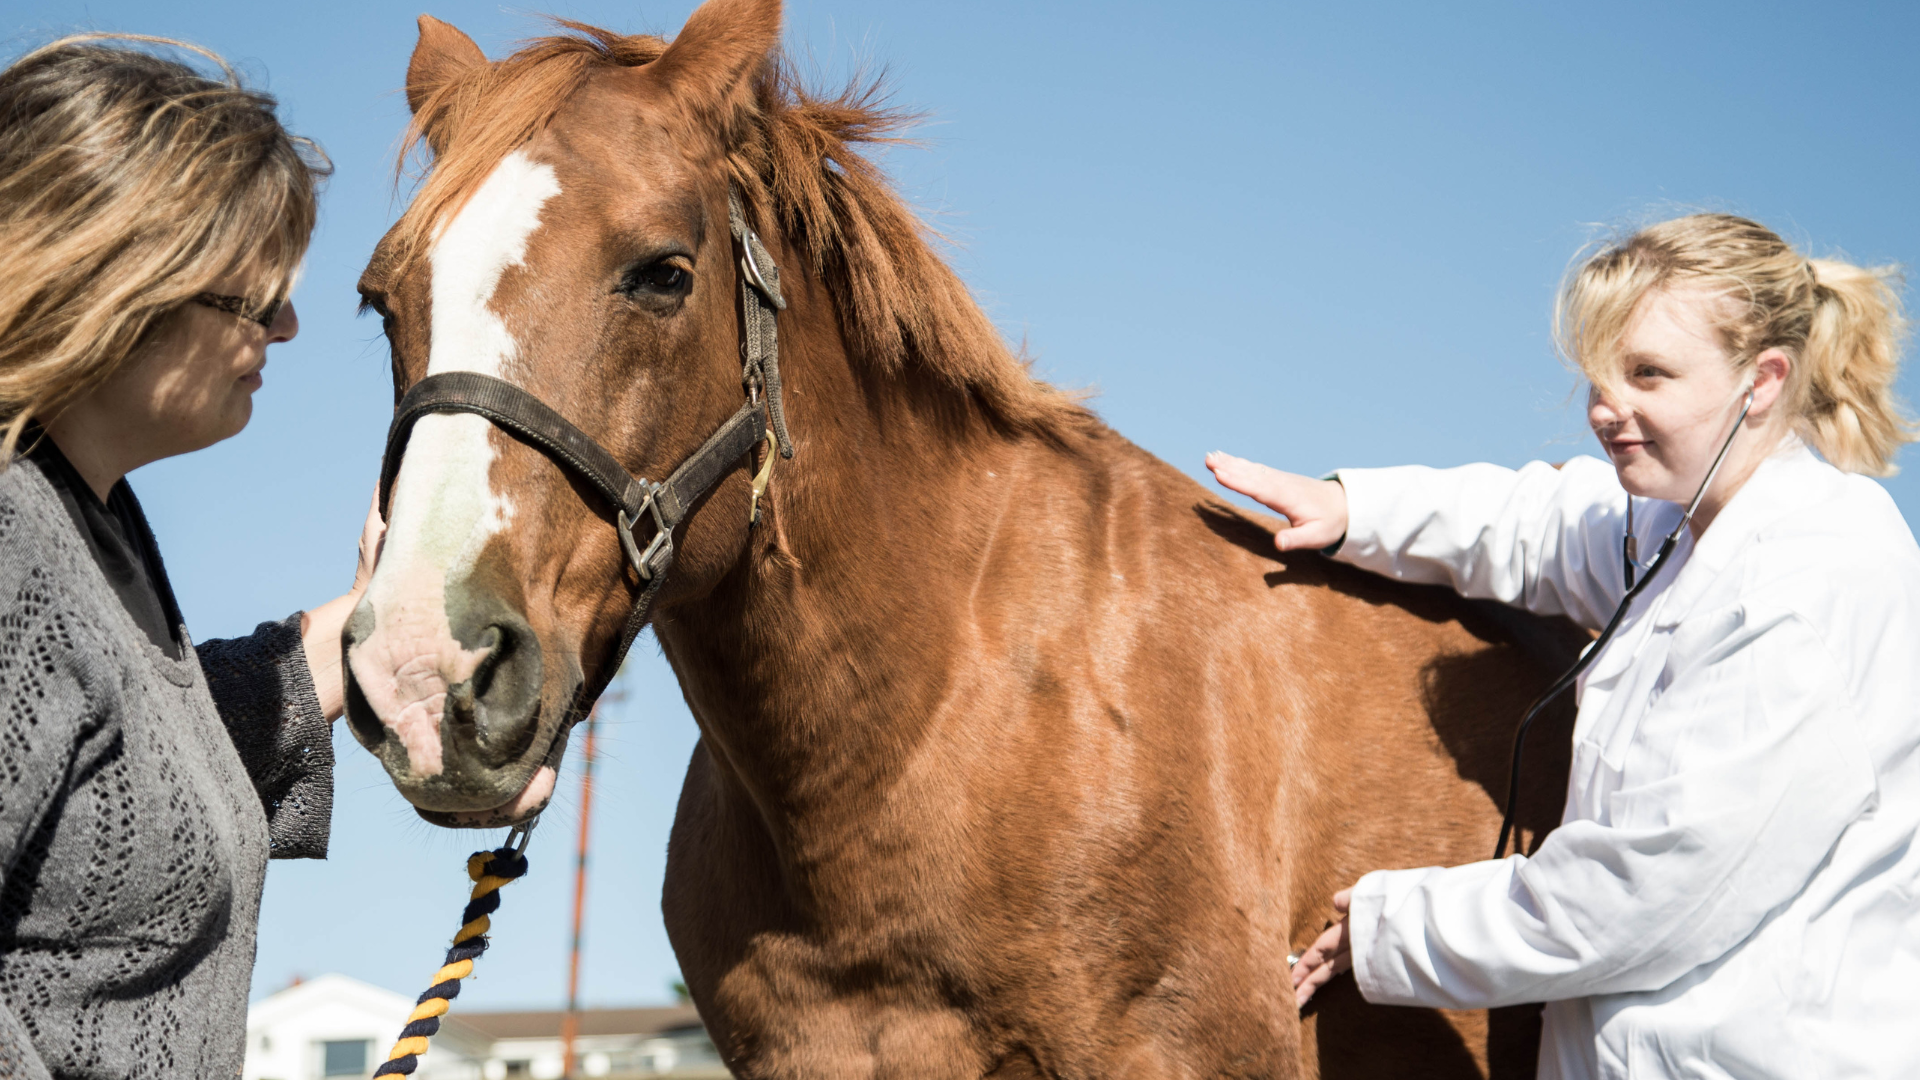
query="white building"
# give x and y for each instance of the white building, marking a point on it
(337, 1028)
(611, 1043)
(334, 1026)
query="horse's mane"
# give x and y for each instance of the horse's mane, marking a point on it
(796, 156)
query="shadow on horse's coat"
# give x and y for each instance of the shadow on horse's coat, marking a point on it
(1020, 754)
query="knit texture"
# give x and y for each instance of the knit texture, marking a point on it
(139, 798)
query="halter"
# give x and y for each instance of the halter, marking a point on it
(635, 499)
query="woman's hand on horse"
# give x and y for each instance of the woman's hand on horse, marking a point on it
(1316, 509)
(1329, 955)
(372, 535)
(321, 626)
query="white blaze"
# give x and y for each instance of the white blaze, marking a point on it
(443, 510)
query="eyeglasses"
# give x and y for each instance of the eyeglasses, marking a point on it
(238, 305)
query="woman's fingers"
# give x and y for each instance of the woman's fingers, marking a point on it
(1316, 509)
(372, 535)
(1332, 942)
(1310, 985)
(1329, 955)
(1263, 484)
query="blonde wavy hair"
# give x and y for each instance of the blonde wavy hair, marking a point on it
(1842, 324)
(129, 183)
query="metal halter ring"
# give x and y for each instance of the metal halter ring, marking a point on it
(518, 836)
(662, 538)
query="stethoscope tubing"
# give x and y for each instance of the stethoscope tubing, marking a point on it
(1591, 652)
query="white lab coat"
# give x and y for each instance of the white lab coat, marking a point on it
(1734, 890)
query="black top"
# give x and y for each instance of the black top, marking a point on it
(122, 544)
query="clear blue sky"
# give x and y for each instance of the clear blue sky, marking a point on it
(1313, 234)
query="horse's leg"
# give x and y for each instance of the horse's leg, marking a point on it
(718, 895)
(778, 1004)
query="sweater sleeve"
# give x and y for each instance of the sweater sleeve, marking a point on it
(17, 1056)
(48, 708)
(1540, 538)
(264, 692)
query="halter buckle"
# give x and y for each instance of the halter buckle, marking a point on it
(751, 267)
(662, 537)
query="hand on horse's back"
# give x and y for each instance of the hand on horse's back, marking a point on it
(1315, 509)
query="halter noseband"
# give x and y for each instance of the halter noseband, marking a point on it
(635, 499)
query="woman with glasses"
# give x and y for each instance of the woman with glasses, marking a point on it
(151, 220)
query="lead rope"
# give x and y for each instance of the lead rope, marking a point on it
(489, 870)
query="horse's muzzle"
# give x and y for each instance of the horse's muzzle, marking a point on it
(450, 702)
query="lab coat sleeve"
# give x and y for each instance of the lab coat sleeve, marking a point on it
(1540, 538)
(1765, 766)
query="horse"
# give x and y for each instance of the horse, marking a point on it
(1021, 754)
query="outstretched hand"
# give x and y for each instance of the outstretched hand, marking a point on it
(1329, 955)
(1315, 509)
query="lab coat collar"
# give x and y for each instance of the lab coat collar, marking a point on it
(1785, 482)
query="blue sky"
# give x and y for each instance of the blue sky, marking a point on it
(1317, 235)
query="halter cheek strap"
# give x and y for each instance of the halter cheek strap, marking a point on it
(635, 500)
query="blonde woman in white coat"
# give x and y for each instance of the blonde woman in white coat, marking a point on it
(1734, 890)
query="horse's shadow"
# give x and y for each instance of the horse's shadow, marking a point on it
(1473, 700)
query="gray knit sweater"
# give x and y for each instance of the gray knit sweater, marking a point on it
(140, 798)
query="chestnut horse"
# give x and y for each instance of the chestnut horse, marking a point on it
(1021, 754)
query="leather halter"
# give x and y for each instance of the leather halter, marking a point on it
(634, 499)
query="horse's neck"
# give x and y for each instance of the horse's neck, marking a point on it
(820, 665)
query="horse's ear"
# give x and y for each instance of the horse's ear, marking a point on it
(441, 54)
(723, 42)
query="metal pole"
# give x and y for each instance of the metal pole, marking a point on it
(570, 1024)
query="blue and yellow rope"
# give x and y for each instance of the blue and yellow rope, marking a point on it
(489, 870)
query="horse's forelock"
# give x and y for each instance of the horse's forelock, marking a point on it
(467, 124)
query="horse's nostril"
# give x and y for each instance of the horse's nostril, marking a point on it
(464, 698)
(361, 719)
(496, 642)
(495, 709)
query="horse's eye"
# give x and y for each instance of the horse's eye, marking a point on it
(660, 278)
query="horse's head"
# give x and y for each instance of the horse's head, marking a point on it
(572, 240)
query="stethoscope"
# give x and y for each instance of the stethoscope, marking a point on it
(1634, 588)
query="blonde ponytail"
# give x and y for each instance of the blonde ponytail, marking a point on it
(1846, 406)
(1842, 324)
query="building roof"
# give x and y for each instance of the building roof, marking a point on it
(546, 1025)
(302, 998)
